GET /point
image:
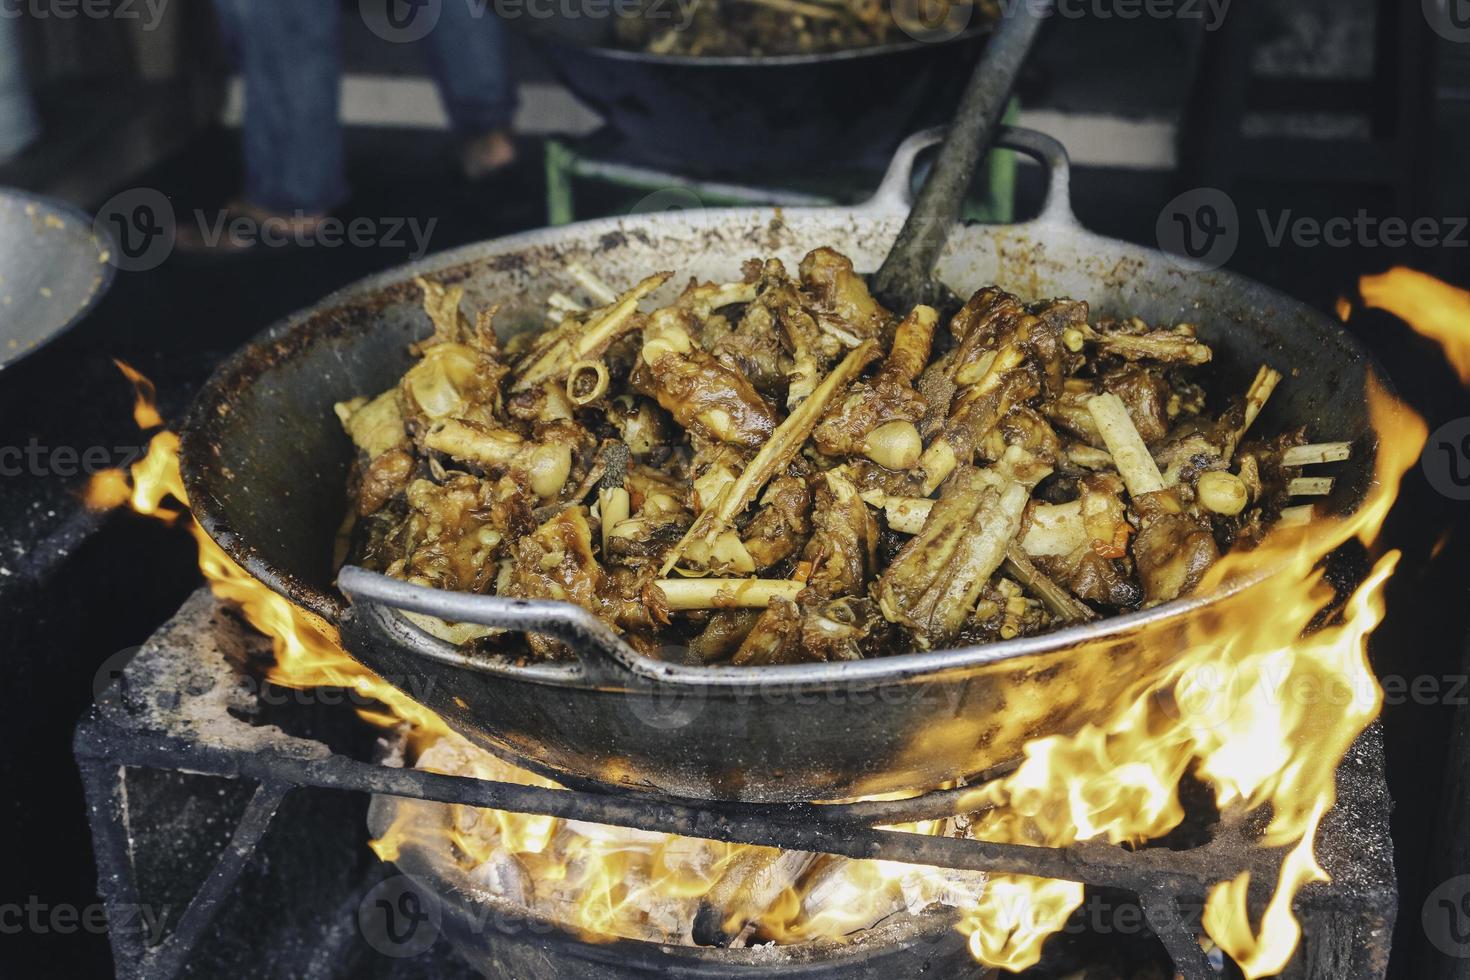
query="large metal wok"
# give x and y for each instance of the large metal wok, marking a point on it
(265, 464)
(781, 114)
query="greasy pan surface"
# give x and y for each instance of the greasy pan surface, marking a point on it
(265, 464)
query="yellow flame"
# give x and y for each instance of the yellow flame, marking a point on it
(1433, 308)
(145, 397)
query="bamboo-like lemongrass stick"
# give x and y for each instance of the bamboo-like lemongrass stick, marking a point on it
(1137, 467)
(562, 303)
(1309, 486)
(1260, 391)
(588, 280)
(1317, 452)
(726, 593)
(784, 443)
(1055, 596)
(1297, 516)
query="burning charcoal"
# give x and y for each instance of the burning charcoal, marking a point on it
(750, 885)
(504, 877)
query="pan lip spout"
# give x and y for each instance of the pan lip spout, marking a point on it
(212, 408)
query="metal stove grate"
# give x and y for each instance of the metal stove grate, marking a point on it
(179, 707)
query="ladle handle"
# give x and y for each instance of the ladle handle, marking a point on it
(904, 276)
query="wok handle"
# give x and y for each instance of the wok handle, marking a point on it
(602, 655)
(895, 194)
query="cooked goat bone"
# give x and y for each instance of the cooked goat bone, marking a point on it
(1173, 550)
(441, 303)
(728, 593)
(1137, 467)
(1319, 452)
(1055, 529)
(775, 638)
(1055, 597)
(725, 555)
(1089, 458)
(579, 342)
(844, 307)
(780, 527)
(612, 509)
(841, 552)
(587, 381)
(975, 411)
(784, 443)
(877, 418)
(704, 298)
(444, 382)
(1177, 346)
(912, 342)
(933, 583)
(374, 426)
(907, 515)
(474, 443)
(1309, 486)
(1222, 492)
(723, 634)
(556, 562)
(702, 394)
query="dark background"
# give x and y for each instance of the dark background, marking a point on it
(76, 588)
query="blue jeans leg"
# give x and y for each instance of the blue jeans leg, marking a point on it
(290, 58)
(467, 52)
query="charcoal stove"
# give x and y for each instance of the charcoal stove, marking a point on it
(208, 803)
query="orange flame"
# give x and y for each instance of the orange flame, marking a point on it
(1433, 308)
